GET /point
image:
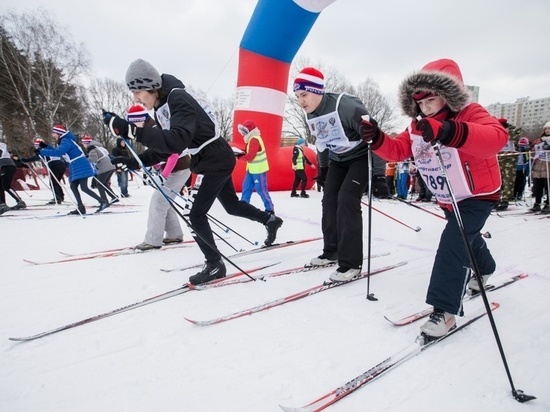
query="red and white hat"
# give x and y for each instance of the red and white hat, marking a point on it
(37, 142)
(310, 80)
(86, 139)
(137, 113)
(59, 129)
(246, 127)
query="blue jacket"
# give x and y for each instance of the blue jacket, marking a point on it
(79, 165)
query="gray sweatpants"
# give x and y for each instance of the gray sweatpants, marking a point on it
(162, 218)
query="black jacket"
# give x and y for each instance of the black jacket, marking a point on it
(190, 127)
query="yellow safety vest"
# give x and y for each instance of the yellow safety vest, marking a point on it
(259, 164)
(300, 159)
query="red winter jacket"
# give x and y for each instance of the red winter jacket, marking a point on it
(486, 137)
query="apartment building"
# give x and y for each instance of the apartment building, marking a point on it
(530, 115)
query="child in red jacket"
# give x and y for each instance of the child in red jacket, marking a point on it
(469, 137)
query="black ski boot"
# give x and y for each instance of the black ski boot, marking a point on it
(272, 225)
(210, 271)
(80, 210)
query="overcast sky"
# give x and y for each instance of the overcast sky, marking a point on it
(501, 46)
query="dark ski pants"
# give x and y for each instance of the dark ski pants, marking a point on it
(342, 221)
(6, 179)
(452, 268)
(218, 186)
(83, 183)
(57, 170)
(300, 178)
(104, 185)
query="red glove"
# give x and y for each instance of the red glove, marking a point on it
(369, 129)
(449, 132)
(430, 129)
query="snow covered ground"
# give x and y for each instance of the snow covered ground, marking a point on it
(151, 358)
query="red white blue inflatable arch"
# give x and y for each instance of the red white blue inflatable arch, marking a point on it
(274, 34)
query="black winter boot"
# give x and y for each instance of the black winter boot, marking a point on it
(272, 226)
(80, 210)
(210, 271)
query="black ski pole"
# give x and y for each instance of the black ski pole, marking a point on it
(171, 203)
(370, 296)
(175, 204)
(220, 224)
(418, 207)
(518, 394)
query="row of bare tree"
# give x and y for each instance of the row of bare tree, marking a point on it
(45, 78)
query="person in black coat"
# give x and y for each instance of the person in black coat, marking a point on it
(55, 166)
(187, 122)
(120, 150)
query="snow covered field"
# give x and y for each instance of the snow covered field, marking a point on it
(151, 358)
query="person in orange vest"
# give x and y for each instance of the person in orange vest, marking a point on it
(257, 165)
(390, 176)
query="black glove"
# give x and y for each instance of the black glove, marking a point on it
(43, 144)
(369, 130)
(153, 179)
(125, 163)
(449, 132)
(118, 126)
(321, 176)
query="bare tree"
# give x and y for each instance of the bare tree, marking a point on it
(105, 94)
(223, 109)
(377, 105)
(41, 71)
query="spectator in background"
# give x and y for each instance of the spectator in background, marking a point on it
(522, 168)
(390, 176)
(257, 165)
(120, 150)
(403, 178)
(299, 161)
(540, 172)
(507, 161)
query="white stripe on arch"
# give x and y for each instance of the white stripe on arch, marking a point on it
(260, 99)
(314, 6)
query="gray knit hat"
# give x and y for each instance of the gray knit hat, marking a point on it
(141, 75)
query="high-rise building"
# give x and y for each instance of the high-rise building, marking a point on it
(474, 90)
(530, 115)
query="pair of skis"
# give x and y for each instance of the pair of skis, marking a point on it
(426, 312)
(291, 298)
(107, 253)
(237, 277)
(383, 367)
(422, 343)
(157, 298)
(253, 252)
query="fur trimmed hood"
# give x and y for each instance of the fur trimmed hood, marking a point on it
(441, 77)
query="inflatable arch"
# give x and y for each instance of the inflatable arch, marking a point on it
(274, 34)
